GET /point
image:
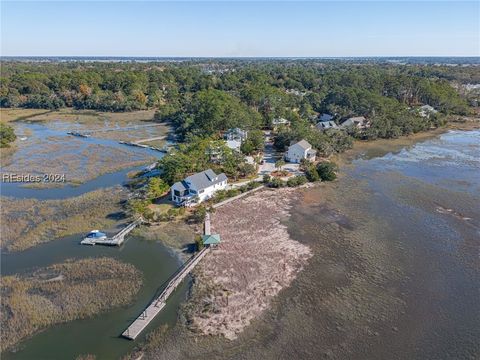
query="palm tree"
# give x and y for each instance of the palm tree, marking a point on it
(279, 164)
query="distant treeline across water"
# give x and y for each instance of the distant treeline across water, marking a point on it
(440, 60)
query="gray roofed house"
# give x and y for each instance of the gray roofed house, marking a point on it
(197, 187)
(323, 125)
(325, 117)
(300, 150)
(358, 121)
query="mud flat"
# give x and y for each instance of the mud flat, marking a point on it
(394, 271)
(256, 259)
(63, 292)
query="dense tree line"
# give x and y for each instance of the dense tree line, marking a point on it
(198, 154)
(201, 98)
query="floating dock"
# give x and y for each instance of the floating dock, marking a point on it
(117, 239)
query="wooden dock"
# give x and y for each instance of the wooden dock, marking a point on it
(150, 139)
(137, 144)
(115, 240)
(159, 303)
(206, 226)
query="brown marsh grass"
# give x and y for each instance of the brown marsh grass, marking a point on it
(63, 292)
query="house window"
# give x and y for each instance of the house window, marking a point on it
(176, 192)
(201, 191)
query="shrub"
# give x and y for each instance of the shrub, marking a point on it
(312, 174)
(326, 170)
(252, 185)
(266, 179)
(199, 243)
(199, 214)
(7, 135)
(137, 206)
(156, 188)
(276, 183)
(297, 181)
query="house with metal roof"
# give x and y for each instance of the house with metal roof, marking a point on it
(211, 240)
(197, 187)
(300, 150)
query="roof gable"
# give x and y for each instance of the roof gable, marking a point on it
(302, 144)
(211, 239)
(204, 179)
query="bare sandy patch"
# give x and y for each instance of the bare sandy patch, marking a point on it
(256, 259)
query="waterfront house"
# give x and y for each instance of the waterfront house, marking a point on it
(358, 121)
(197, 188)
(324, 125)
(300, 150)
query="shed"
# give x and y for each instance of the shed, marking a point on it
(211, 239)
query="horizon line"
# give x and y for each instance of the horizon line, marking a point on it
(239, 57)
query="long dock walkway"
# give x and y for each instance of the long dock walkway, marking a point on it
(115, 240)
(159, 303)
(138, 144)
(149, 139)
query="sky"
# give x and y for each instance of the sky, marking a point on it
(240, 29)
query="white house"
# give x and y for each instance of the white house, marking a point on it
(234, 144)
(426, 111)
(359, 122)
(235, 137)
(324, 125)
(300, 150)
(236, 134)
(197, 187)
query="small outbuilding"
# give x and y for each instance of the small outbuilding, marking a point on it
(211, 240)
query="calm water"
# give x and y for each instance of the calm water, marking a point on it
(40, 136)
(428, 198)
(396, 269)
(98, 335)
